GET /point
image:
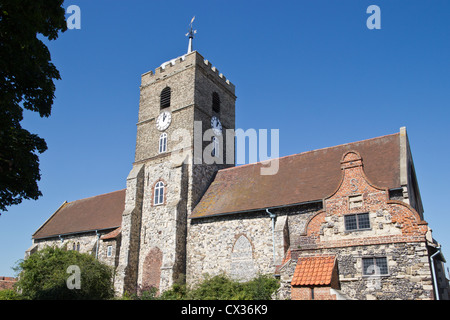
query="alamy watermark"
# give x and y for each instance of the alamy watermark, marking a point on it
(74, 20)
(74, 280)
(211, 146)
(374, 20)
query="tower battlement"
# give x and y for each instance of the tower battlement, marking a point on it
(181, 63)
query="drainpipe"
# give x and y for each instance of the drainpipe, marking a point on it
(98, 240)
(436, 292)
(272, 216)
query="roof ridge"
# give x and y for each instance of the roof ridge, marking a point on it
(99, 195)
(305, 152)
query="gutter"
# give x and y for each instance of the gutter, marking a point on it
(433, 272)
(98, 240)
(254, 210)
(73, 233)
(272, 216)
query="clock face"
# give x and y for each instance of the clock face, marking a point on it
(163, 121)
(216, 125)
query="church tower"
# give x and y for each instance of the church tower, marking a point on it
(185, 108)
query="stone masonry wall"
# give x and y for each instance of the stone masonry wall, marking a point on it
(239, 246)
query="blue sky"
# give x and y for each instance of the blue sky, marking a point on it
(311, 69)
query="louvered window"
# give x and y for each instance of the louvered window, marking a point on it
(165, 97)
(215, 102)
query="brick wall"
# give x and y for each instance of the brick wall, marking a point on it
(312, 293)
(152, 269)
(397, 233)
(7, 282)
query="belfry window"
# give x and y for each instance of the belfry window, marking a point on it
(163, 142)
(159, 193)
(216, 102)
(165, 97)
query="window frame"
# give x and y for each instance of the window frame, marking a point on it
(162, 145)
(357, 221)
(158, 193)
(215, 152)
(374, 263)
(109, 250)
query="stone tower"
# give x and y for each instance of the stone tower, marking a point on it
(175, 161)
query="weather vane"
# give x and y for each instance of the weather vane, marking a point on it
(191, 35)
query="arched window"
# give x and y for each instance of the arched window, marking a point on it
(159, 193)
(78, 247)
(215, 102)
(242, 264)
(216, 146)
(163, 142)
(165, 97)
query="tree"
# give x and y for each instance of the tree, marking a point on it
(26, 82)
(46, 273)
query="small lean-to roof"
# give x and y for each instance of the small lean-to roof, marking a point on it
(311, 271)
(301, 178)
(94, 213)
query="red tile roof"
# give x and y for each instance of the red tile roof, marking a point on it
(112, 235)
(303, 177)
(317, 270)
(94, 213)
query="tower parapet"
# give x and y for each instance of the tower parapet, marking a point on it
(181, 63)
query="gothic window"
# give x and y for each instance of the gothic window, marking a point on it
(78, 246)
(242, 264)
(163, 142)
(215, 102)
(151, 273)
(216, 145)
(165, 97)
(159, 193)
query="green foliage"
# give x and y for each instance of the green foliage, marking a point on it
(221, 287)
(218, 288)
(44, 276)
(26, 82)
(10, 294)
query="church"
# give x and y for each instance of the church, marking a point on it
(344, 222)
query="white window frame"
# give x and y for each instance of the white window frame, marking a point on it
(109, 250)
(158, 197)
(163, 142)
(216, 145)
